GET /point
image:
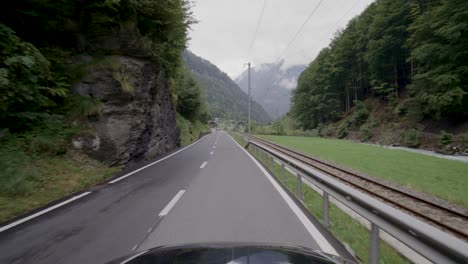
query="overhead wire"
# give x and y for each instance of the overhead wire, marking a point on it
(300, 29)
(257, 27)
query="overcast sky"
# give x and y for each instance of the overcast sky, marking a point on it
(226, 29)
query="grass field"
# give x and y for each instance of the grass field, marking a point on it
(446, 179)
(345, 228)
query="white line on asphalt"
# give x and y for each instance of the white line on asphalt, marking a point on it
(149, 230)
(171, 204)
(151, 164)
(313, 231)
(203, 165)
(43, 212)
(214, 146)
(134, 247)
(211, 153)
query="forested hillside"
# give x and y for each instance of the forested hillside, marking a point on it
(271, 86)
(223, 95)
(400, 62)
(85, 85)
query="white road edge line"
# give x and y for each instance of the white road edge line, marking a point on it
(203, 165)
(171, 204)
(313, 231)
(43, 212)
(151, 164)
(211, 153)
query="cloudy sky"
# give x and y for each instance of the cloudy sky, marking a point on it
(226, 30)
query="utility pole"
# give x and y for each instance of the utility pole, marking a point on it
(249, 101)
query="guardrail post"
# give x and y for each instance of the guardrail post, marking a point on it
(299, 186)
(283, 175)
(374, 245)
(325, 208)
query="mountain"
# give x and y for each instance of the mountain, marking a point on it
(271, 86)
(222, 93)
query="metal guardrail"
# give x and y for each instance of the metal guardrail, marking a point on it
(428, 241)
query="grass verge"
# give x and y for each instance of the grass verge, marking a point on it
(345, 228)
(446, 179)
(44, 179)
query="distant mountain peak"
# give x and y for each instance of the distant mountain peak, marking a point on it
(224, 97)
(271, 85)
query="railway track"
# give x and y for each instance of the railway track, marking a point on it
(443, 217)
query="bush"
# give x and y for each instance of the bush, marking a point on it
(278, 128)
(409, 110)
(360, 115)
(410, 138)
(445, 138)
(366, 132)
(342, 130)
(326, 130)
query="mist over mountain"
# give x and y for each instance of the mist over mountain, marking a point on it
(271, 86)
(223, 95)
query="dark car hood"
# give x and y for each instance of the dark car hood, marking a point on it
(235, 253)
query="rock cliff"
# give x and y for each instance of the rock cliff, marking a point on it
(136, 118)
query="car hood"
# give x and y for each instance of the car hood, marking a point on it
(232, 253)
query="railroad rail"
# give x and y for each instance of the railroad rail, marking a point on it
(442, 217)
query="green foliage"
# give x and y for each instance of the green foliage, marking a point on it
(410, 138)
(326, 130)
(414, 48)
(366, 132)
(27, 86)
(439, 39)
(190, 130)
(445, 138)
(343, 129)
(410, 111)
(188, 96)
(463, 138)
(278, 128)
(84, 107)
(360, 114)
(19, 150)
(124, 78)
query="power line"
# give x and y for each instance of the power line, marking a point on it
(258, 26)
(300, 29)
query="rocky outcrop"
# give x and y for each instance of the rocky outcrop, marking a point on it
(136, 119)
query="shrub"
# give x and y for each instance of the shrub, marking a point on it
(326, 130)
(445, 138)
(410, 138)
(366, 132)
(278, 128)
(409, 110)
(342, 130)
(360, 115)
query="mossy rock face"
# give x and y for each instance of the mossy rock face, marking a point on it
(134, 122)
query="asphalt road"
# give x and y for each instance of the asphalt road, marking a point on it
(210, 192)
